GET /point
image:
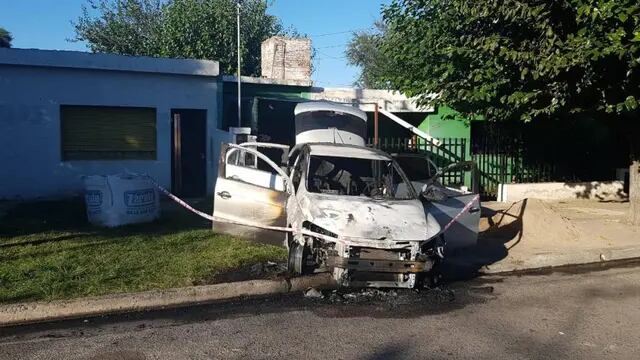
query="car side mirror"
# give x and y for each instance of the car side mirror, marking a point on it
(433, 193)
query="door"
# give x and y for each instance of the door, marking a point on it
(188, 147)
(249, 190)
(464, 231)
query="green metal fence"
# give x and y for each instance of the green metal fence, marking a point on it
(451, 150)
(493, 167)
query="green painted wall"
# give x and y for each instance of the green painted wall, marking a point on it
(442, 125)
(437, 126)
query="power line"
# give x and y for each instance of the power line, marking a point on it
(328, 59)
(332, 46)
(342, 32)
(320, 47)
(331, 56)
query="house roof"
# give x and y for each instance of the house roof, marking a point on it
(267, 81)
(112, 62)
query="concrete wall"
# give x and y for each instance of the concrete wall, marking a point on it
(365, 99)
(30, 99)
(595, 190)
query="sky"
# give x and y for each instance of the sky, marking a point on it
(46, 24)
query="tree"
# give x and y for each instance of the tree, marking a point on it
(521, 60)
(5, 38)
(363, 51)
(129, 27)
(200, 29)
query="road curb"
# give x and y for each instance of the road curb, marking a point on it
(27, 313)
(549, 261)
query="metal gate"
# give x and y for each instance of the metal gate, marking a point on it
(451, 150)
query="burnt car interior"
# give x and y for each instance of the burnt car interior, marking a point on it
(355, 177)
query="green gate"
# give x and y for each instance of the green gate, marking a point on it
(451, 150)
(493, 166)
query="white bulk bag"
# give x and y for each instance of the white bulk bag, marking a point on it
(115, 200)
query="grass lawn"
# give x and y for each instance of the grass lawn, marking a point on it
(49, 251)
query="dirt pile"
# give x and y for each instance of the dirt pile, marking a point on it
(531, 219)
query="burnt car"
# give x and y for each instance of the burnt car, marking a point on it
(337, 205)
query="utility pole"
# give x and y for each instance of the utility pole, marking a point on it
(238, 41)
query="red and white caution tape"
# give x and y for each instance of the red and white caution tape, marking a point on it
(214, 218)
(464, 210)
(278, 228)
(178, 200)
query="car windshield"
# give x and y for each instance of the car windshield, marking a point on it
(378, 179)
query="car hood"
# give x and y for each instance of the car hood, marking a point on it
(365, 218)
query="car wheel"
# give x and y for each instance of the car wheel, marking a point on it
(300, 259)
(296, 258)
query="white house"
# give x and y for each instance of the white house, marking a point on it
(66, 114)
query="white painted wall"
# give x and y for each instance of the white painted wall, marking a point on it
(30, 99)
(364, 99)
(594, 190)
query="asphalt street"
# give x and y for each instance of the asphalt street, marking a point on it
(562, 315)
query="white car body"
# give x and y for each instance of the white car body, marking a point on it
(338, 205)
(362, 240)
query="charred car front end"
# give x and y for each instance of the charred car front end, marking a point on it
(338, 208)
(356, 215)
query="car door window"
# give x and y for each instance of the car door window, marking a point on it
(296, 175)
(232, 156)
(250, 160)
(417, 168)
(247, 167)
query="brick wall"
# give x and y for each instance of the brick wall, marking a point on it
(286, 58)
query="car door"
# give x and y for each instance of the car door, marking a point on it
(463, 232)
(250, 191)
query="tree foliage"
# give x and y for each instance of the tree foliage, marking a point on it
(200, 29)
(363, 51)
(516, 59)
(5, 38)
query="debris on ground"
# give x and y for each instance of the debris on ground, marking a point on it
(313, 293)
(370, 294)
(390, 297)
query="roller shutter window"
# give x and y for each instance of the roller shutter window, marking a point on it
(108, 133)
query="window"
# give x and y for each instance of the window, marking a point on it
(356, 177)
(244, 166)
(240, 157)
(417, 168)
(108, 133)
(296, 175)
(232, 156)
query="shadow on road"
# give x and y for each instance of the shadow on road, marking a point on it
(504, 231)
(390, 304)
